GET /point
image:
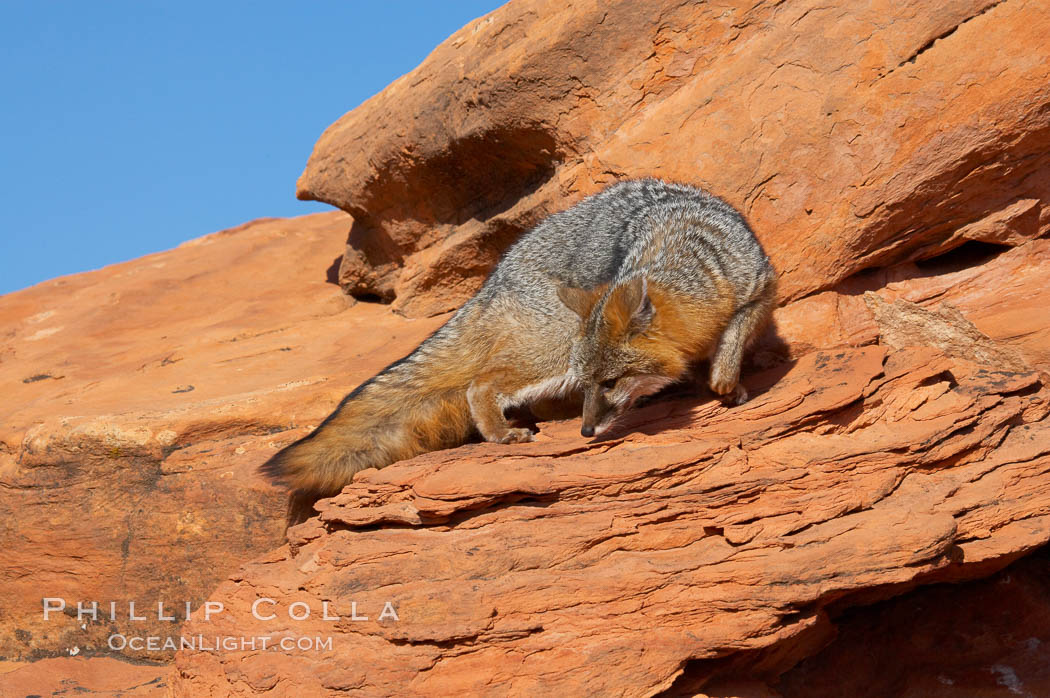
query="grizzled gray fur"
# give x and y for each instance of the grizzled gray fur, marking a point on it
(609, 301)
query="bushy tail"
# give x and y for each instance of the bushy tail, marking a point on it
(312, 468)
(317, 463)
(391, 420)
(414, 405)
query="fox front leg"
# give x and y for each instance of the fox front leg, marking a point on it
(745, 325)
(487, 413)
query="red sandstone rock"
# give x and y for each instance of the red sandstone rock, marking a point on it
(898, 181)
(673, 451)
(77, 676)
(1006, 297)
(138, 402)
(574, 568)
(989, 638)
(853, 137)
(699, 538)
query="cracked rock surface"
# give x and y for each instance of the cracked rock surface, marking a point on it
(139, 401)
(699, 532)
(852, 136)
(894, 163)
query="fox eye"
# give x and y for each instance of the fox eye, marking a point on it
(609, 384)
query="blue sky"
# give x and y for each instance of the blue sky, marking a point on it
(129, 127)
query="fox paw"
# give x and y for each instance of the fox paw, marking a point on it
(735, 395)
(516, 436)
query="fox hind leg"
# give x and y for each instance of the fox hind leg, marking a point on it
(487, 413)
(745, 325)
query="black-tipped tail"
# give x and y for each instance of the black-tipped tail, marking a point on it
(276, 468)
(283, 469)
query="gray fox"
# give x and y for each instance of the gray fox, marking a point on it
(613, 299)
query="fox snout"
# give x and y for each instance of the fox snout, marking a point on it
(597, 411)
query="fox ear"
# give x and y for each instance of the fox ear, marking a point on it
(644, 311)
(630, 308)
(579, 300)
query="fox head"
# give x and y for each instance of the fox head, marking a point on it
(618, 356)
